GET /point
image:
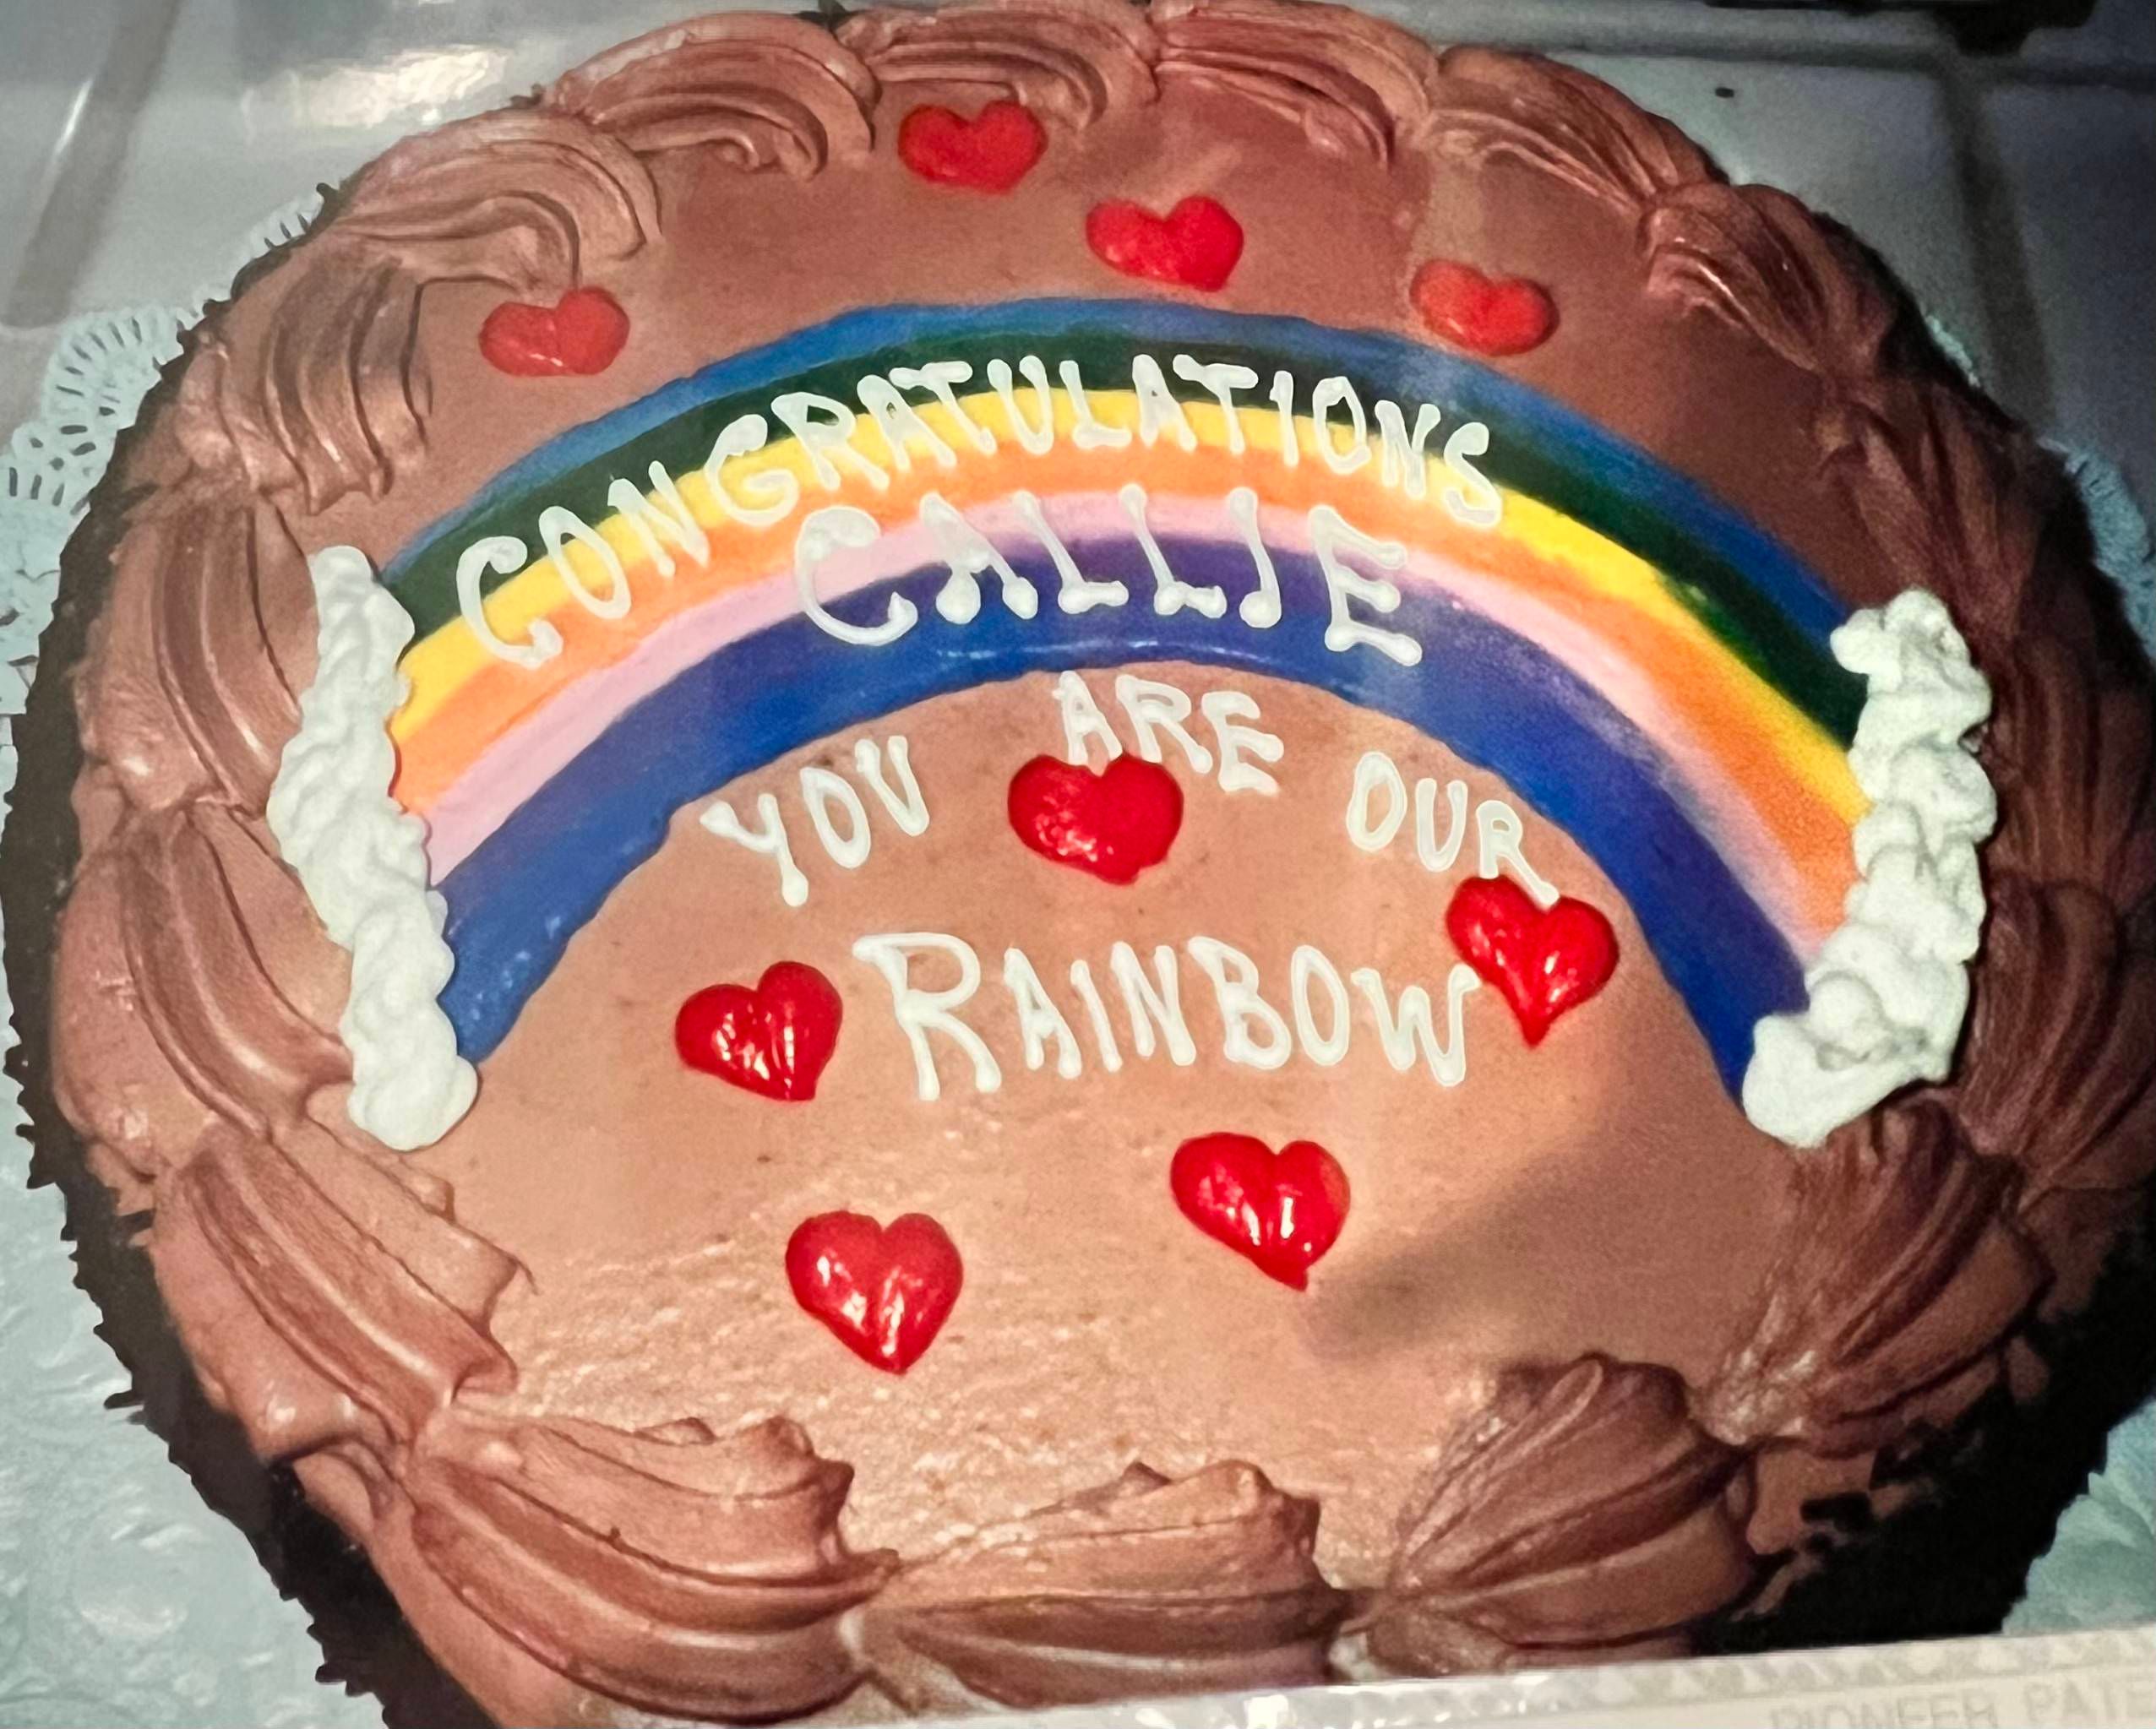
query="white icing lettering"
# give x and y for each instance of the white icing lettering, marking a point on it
(1148, 1001)
(824, 534)
(825, 428)
(1158, 411)
(1224, 379)
(557, 527)
(500, 554)
(920, 410)
(1076, 593)
(1497, 844)
(1403, 463)
(1471, 499)
(670, 516)
(896, 419)
(938, 378)
(1155, 708)
(1037, 439)
(904, 805)
(1308, 966)
(763, 498)
(921, 1012)
(1447, 1061)
(1331, 533)
(1082, 720)
(968, 552)
(820, 788)
(1261, 608)
(1375, 770)
(767, 838)
(1039, 1020)
(1081, 982)
(1225, 710)
(1234, 978)
(1087, 433)
(1171, 594)
(1283, 407)
(1332, 393)
(1433, 856)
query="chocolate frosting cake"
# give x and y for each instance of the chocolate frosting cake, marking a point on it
(1237, 937)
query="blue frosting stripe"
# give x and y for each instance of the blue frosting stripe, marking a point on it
(1416, 371)
(1490, 695)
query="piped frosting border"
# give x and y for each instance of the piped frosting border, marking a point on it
(362, 860)
(1889, 992)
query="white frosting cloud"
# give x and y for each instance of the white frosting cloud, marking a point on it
(1890, 988)
(362, 858)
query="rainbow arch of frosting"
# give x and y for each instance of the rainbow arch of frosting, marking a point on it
(1647, 669)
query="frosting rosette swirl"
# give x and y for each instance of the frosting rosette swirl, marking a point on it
(1899, 1272)
(675, 1568)
(1071, 60)
(1583, 1513)
(1147, 1585)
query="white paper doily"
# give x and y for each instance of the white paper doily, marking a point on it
(123, 1599)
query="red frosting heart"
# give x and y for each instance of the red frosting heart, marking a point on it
(884, 1290)
(1547, 961)
(1483, 314)
(1112, 824)
(580, 333)
(1195, 244)
(774, 1039)
(992, 152)
(1280, 1211)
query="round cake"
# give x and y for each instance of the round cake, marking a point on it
(1050, 851)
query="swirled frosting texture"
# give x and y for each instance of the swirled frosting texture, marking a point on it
(1142, 1586)
(1352, 85)
(757, 91)
(1073, 60)
(1583, 1509)
(363, 861)
(331, 401)
(570, 1571)
(1900, 1272)
(1890, 987)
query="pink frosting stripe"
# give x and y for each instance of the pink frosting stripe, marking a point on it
(519, 763)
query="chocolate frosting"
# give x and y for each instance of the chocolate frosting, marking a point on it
(1492, 107)
(565, 1569)
(1900, 1270)
(1352, 85)
(1072, 60)
(1143, 1586)
(676, 1570)
(2058, 1075)
(330, 401)
(759, 91)
(1581, 1511)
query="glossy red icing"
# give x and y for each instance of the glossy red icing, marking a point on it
(884, 1290)
(992, 152)
(581, 332)
(1195, 244)
(1112, 824)
(1280, 1211)
(773, 1040)
(1487, 315)
(1546, 961)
